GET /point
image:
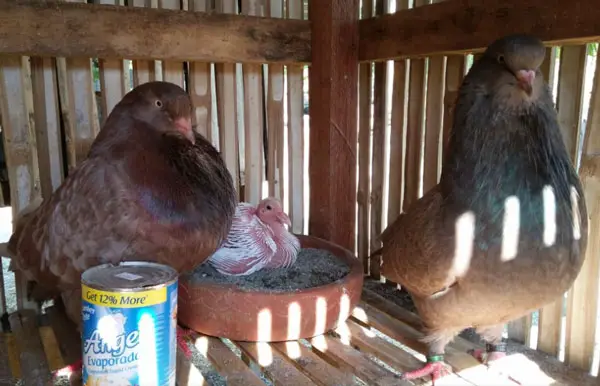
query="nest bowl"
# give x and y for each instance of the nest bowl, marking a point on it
(262, 316)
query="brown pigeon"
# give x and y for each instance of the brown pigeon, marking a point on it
(505, 230)
(151, 189)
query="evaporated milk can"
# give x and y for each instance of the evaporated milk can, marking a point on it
(129, 316)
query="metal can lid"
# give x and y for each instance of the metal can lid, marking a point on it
(129, 276)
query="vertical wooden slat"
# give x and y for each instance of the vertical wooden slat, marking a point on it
(581, 301)
(377, 168)
(295, 132)
(78, 105)
(143, 70)
(364, 151)
(172, 70)
(434, 120)
(519, 330)
(398, 133)
(570, 84)
(32, 358)
(253, 119)
(47, 124)
(112, 76)
(397, 140)
(200, 86)
(227, 106)
(333, 117)
(414, 134)
(569, 99)
(18, 126)
(455, 71)
(275, 122)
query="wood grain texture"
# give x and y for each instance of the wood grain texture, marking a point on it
(254, 172)
(333, 118)
(365, 75)
(227, 363)
(90, 30)
(581, 309)
(47, 123)
(34, 366)
(432, 167)
(274, 118)
(227, 107)
(378, 157)
(465, 25)
(350, 360)
(69, 341)
(295, 122)
(414, 132)
(20, 145)
(274, 364)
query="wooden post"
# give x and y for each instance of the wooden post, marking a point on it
(333, 117)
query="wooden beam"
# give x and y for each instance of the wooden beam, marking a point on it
(53, 28)
(333, 97)
(455, 26)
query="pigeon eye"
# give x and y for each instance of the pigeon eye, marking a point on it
(158, 103)
(269, 207)
(501, 59)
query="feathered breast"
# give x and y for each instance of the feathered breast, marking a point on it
(249, 245)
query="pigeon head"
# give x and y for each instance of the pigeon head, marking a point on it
(270, 212)
(164, 106)
(510, 68)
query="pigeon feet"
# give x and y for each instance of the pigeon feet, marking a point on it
(182, 335)
(491, 353)
(72, 371)
(486, 357)
(436, 367)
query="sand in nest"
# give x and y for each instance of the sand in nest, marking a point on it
(314, 267)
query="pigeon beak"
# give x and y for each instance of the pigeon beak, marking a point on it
(184, 127)
(526, 79)
(284, 219)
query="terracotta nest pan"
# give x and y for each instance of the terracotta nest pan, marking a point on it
(259, 316)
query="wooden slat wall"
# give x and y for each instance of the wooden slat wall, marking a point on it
(568, 103)
(363, 193)
(16, 110)
(296, 144)
(581, 305)
(380, 76)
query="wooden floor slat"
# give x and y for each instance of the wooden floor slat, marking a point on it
(362, 350)
(321, 372)
(13, 355)
(186, 373)
(51, 348)
(6, 377)
(274, 364)
(366, 340)
(226, 362)
(462, 363)
(532, 365)
(349, 359)
(67, 336)
(34, 366)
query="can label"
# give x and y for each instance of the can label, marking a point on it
(129, 338)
